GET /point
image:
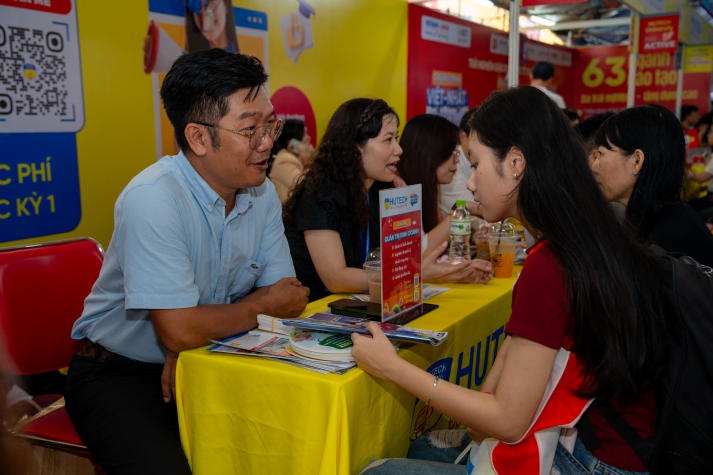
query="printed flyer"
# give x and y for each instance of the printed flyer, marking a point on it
(400, 212)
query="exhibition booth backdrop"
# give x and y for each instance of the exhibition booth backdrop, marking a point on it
(80, 113)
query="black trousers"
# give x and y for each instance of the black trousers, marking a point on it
(118, 410)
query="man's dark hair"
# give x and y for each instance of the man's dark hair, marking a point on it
(197, 87)
(687, 110)
(543, 70)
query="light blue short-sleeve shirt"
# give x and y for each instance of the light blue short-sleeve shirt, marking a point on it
(174, 247)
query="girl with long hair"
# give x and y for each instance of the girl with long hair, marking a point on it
(578, 329)
(430, 157)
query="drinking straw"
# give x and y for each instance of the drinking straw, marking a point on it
(500, 233)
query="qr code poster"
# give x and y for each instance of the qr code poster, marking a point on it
(41, 109)
(40, 75)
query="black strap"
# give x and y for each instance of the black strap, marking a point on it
(585, 431)
(628, 433)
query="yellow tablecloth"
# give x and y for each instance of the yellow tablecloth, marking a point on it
(248, 415)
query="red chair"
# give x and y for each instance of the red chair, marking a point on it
(42, 292)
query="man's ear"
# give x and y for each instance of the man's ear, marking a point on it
(198, 138)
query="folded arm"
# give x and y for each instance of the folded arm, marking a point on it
(185, 328)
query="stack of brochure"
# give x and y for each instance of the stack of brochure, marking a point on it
(275, 346)
(321, 346)
(320, 342)
(333, 323)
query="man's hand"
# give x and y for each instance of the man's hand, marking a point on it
(287, 297)
(168, 377)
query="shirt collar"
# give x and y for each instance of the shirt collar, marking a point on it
(207, 195)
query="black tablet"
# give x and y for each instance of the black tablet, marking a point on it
(372, 311)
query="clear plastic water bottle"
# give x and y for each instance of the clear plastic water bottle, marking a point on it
(460, 234)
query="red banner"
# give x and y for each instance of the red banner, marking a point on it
(454, 64)
(601, 80)
(61, 7)
(658, 34)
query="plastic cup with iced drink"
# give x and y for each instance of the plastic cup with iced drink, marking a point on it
(372, 266)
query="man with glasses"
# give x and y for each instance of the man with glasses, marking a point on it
(198, 250)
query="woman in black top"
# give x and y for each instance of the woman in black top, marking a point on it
(639, 161)
(326, 217)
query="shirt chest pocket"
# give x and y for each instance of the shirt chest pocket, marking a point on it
(245, 279)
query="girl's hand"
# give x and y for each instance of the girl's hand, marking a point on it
(374, 353)
(437, 270)
(483, 270)
(399, 182)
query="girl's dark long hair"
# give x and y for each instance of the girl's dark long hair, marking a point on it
(657, 132)
(427, 141)
(619, 322)
(338, 157)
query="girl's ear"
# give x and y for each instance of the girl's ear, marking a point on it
(515, 162)
(637, 162)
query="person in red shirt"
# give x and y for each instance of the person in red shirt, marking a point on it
(689, 119)
(578, 330)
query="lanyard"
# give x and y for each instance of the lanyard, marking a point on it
(364, 239)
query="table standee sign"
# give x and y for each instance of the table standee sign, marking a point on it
(400, 218)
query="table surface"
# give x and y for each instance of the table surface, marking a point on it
(244, 414)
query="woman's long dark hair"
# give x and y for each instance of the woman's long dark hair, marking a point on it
(427, 141)
(619, 322)
(338, 158)
(657, 132)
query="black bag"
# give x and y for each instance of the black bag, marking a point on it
(683, 440)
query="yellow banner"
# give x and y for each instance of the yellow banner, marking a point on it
(698, 59)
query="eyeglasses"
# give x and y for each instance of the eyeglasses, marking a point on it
(256, 135)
